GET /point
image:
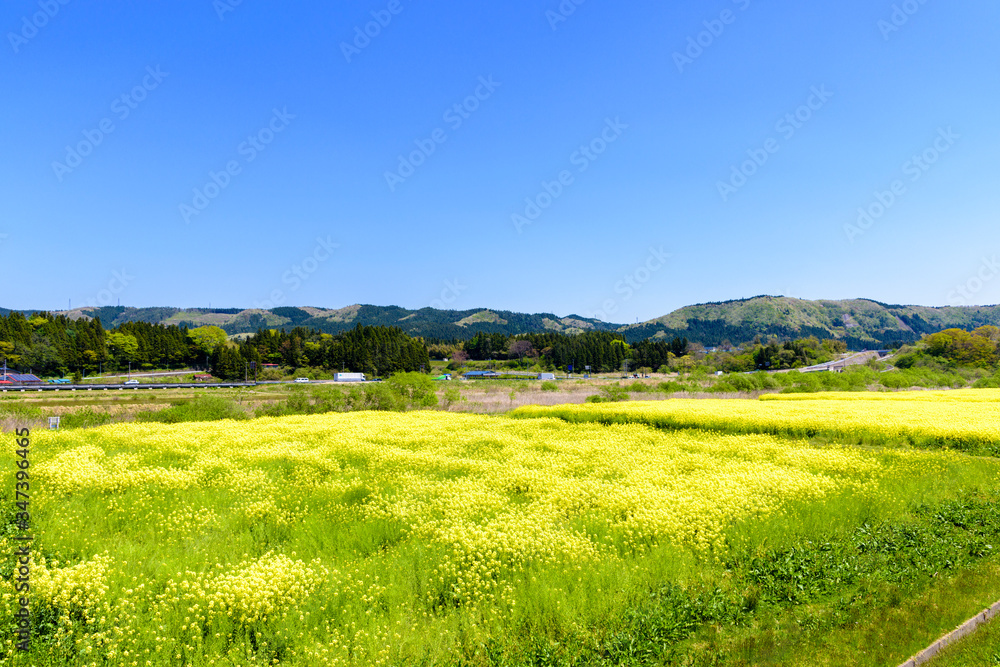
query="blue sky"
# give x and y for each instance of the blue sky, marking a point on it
(617, 160)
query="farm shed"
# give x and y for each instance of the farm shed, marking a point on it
(21, 378)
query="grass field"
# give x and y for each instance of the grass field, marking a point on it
(435, 538)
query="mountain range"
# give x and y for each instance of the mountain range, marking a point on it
(861, 323)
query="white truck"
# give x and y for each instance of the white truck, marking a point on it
(348, 377)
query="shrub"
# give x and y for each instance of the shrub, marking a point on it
(614, 393)
(377, 396)
(740, 382)
(87, 418)
(453, 395)
(550, 386)
(198, 409)
(415, 389)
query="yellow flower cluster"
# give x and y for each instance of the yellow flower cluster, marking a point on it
(917, 417)
(269, 585)
(75, 590)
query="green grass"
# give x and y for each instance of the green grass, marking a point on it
(198, 409)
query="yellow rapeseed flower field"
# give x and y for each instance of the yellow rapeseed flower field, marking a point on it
(959, 395)
(962, 419)
(370, 538)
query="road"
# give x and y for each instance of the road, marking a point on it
(173, 385)
(841, 364)
(123, 387)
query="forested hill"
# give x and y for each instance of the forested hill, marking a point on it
(426, 323)
(860, 323)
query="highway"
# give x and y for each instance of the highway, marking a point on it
(123, 387)
(172, 385)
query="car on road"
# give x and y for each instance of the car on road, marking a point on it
(130, 382)
(302, 379)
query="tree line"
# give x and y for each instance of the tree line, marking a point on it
(55, 345)
(602, 351)
(46, 344)
(374, 350)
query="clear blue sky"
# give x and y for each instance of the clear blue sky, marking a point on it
(310, 118)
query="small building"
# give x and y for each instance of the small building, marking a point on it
(21, 378)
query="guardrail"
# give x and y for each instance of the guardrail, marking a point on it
(123, 387)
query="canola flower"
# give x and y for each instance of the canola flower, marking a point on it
(132, 519)
(963, 419)
(959, 395)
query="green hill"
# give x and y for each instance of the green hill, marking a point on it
(861, 323)
(427, 322)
